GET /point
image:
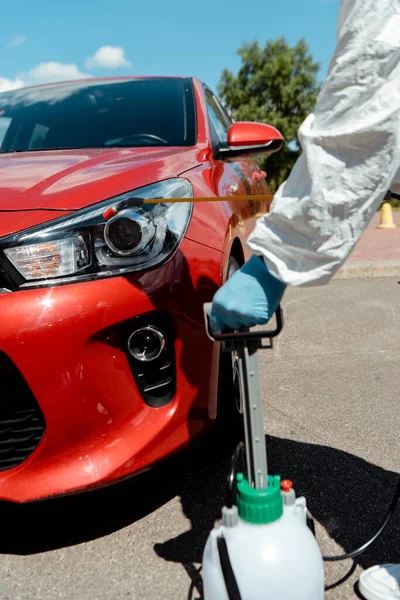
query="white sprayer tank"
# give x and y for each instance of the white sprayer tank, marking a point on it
(273, 553)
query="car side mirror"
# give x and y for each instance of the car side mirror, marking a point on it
(247, 137)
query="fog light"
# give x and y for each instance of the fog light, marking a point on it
(146, 344)
(128, 233)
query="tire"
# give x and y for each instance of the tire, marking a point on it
(229, 428)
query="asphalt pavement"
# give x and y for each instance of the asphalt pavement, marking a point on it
(332, 419)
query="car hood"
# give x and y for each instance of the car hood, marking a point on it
(61, 180)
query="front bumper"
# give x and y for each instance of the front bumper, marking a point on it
(98, 428)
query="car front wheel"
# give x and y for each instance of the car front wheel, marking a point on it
(229, 423)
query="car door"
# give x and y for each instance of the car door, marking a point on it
(237, 176)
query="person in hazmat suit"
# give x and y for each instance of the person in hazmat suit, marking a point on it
(350, 159)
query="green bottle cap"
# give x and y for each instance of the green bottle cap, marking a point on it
(259, 506)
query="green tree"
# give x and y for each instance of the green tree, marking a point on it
(276, 85)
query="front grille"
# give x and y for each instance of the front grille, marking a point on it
(21, 420)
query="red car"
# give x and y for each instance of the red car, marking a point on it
(105, 367)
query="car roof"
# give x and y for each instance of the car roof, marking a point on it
(101, 80)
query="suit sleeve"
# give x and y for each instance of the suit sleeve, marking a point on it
(350, 152)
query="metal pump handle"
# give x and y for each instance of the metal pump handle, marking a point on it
(240, 336)
(246, 344)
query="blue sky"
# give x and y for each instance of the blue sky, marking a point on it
(47, 40)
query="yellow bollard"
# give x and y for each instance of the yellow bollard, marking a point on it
(386, 221)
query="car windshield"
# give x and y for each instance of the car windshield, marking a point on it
(99, 114)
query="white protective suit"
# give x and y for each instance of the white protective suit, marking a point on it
(351, 152)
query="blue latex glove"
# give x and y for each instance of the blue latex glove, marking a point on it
(250, 297)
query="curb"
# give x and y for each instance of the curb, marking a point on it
(357, 269)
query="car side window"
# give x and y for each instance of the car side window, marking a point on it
(219, 122)
(38, 136)
(4, 125)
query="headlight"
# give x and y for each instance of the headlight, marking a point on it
(128, 233)
(86, 245)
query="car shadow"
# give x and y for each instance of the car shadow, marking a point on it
(347, 495)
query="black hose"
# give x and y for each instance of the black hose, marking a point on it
(362, 548)
(230, 497)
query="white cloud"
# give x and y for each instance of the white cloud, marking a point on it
(49, 72)
(17, 40)
(10, 84)
(108, 57)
